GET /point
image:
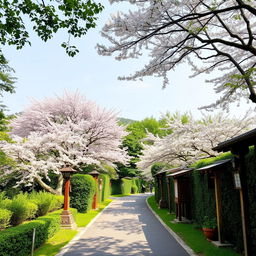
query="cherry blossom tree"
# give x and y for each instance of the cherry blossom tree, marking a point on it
(211, 35)
(194, 139)
(63, 131)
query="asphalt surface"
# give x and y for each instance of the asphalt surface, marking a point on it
(126, 228)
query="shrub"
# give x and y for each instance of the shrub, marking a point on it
(5, 216)
(2, 196)
(21, 209)
(19, 239)
(46, 202)
(83, 188)
(138, 182)
(57, 203)
(116, 187)
(134, 189)
(4, 202)
(126, 186)
(105, 193)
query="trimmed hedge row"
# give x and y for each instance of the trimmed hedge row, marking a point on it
(105, 191)
(19, 239)
(126, 186)
(27, 206)
(83, 188)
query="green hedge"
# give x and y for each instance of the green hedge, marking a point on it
(83, 188)
(203, 199)
(126, 186)
(116, 187)
(162, 177)
(5, 217)
(18, 240)
(22, 209)
(251, 179)
(105, 192)
(46, 202)
(138, 183)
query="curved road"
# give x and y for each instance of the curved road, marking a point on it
(126, 228)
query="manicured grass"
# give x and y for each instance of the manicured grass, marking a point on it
(82, 219)
(120, 195)
(61, 238)
(192, 235)
(54, 244)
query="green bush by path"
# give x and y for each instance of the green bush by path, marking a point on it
(105, 192)
(83, 188)
(116, 187)
(134, 189)
(5, 217)
(46, 202)
(19, 239)
(22, 209)
(126, 186)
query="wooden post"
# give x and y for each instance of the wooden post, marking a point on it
(169, 194)
(66, 194)
(95, 198)
(217, 184)
(244, 202)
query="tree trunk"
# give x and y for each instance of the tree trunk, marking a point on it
(59, 184)
(46, 187)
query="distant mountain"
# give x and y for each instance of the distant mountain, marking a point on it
(125, 121)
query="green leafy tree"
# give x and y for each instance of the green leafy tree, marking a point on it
(47, 17)
(133, 142)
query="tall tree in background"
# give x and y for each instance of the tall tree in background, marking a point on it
(219, 34)
(134, 142)
(58, 132)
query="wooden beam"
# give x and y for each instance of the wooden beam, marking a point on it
(169, 193)
(217, 184)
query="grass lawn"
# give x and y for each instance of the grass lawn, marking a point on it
(61, 238)
(83, 219)
(54, 244)
(120, 195)
(191, 235)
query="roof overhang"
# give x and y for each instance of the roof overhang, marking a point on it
(217, 166)
(242, 141)
(180, 173)
(168, 170)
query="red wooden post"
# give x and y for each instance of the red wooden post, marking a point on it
(95, 198)
(66, 195)
(95, 175)
(67, 220)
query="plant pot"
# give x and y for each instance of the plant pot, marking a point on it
(211, 233)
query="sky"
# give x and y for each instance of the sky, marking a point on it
(45, 70)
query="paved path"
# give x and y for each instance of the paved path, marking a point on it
(126, 228)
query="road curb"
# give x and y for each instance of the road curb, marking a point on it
(172, 233)
(79, 235)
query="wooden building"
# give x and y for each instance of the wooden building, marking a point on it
(214, 170)
(182, 193)
(239, 147)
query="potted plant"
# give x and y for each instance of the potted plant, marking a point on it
(210, 228)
